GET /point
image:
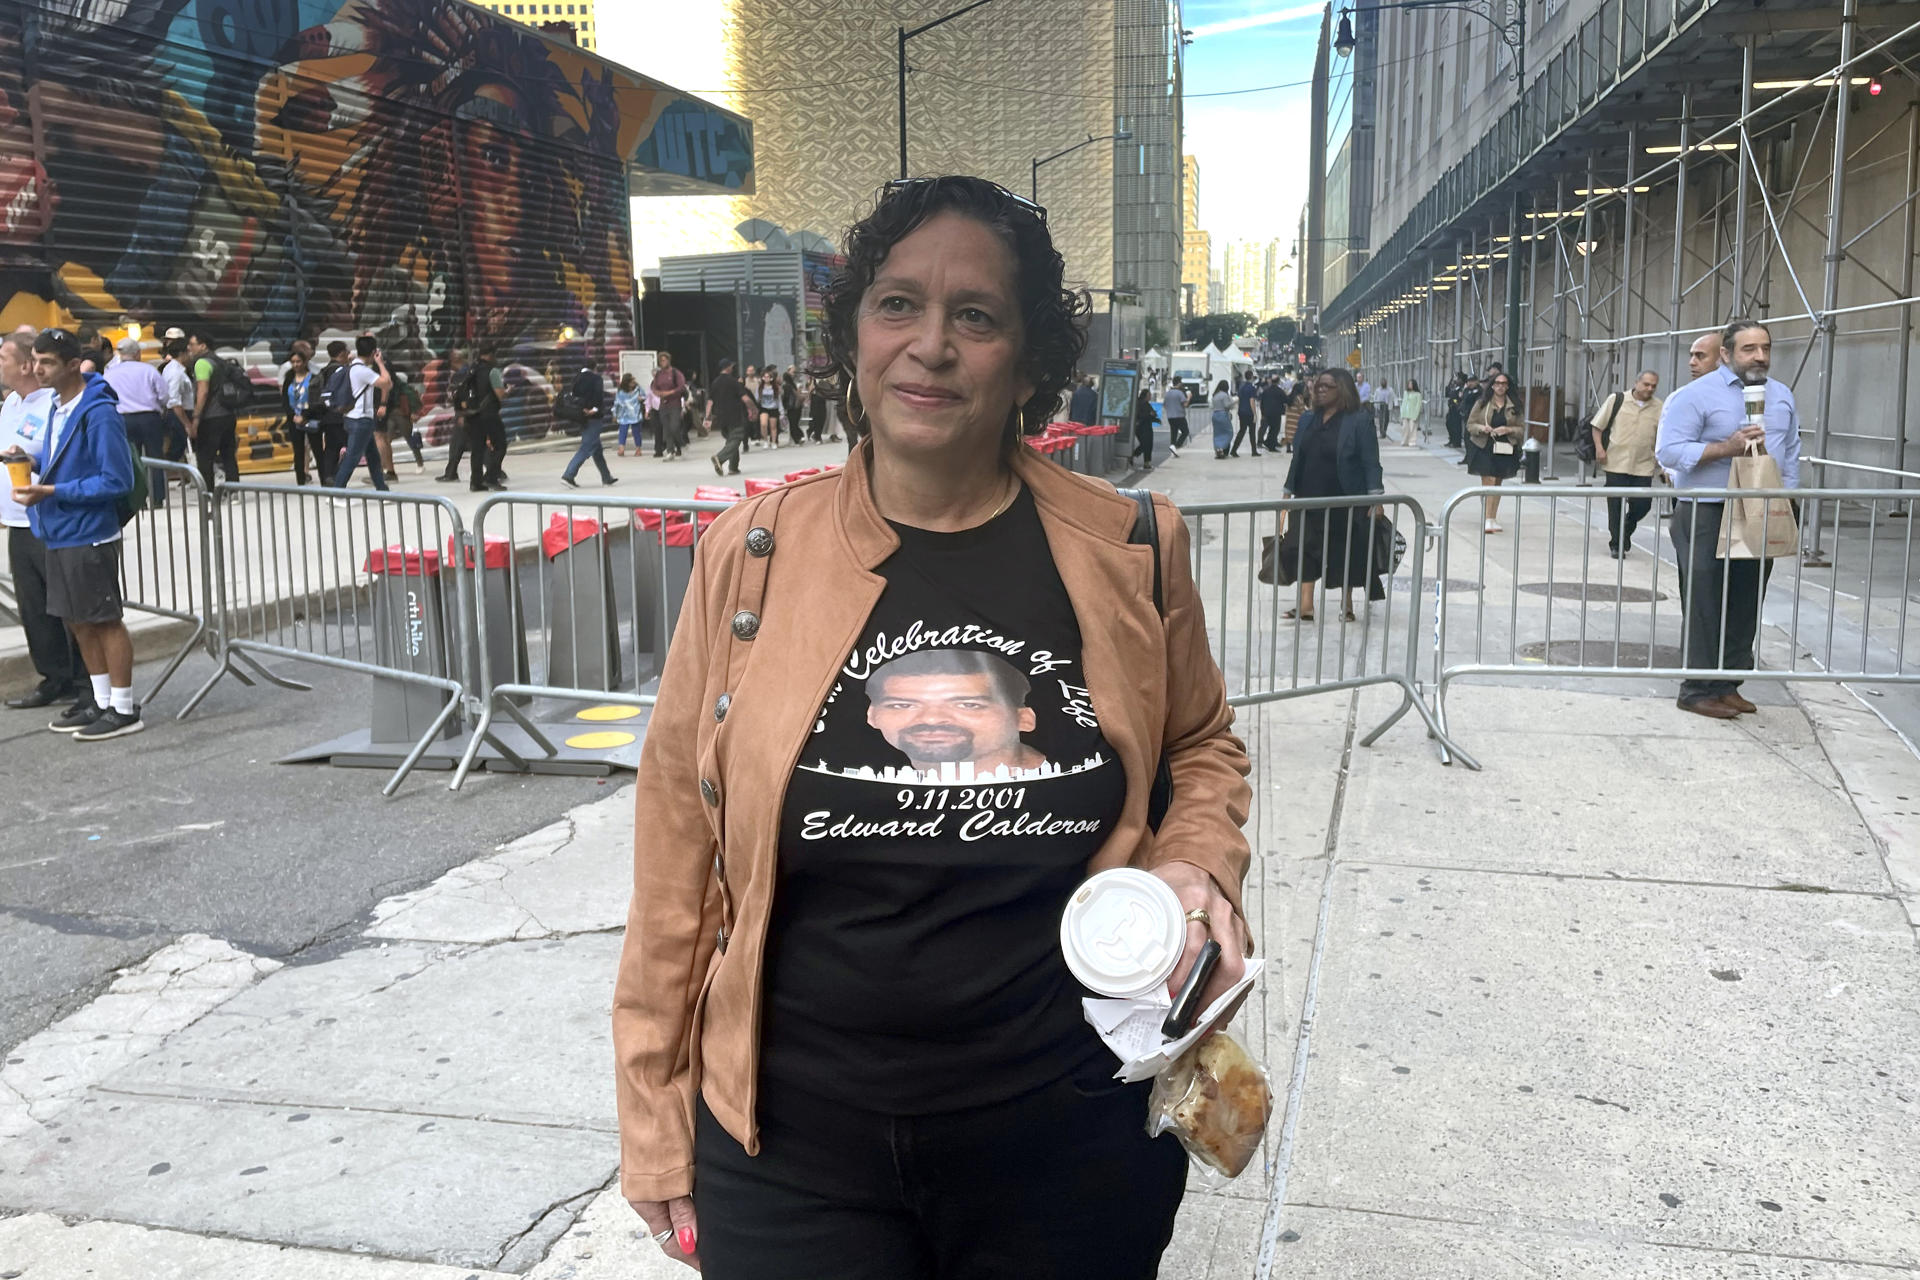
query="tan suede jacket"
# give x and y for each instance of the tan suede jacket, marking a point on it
(759, 642)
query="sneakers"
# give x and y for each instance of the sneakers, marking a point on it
(718, 469)
(76, 717)
(570, 482)
(111, 724)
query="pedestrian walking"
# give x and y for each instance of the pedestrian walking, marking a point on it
(670, 387)
(1456, 414)
(589, 394)
(50, 646)
(1494, 427)
(1383, 402)
(848, 1044)
(179, 396)
(1221, 406)
(768, 396)
(817, 408)
(143, 397)
(399, 408)
(1173, 407)
(1703, 427)
(1245, 393)
(1411, 405)
(460, 361)
(218, 396)
(328, 399)
(1273, 413)
(1626, 429)
(477, 394)
(1336, 454)
(1143, 420)
(1083, 406)
(365, 376)
(1703, 357)
(731, 411)
(628, 402)
(85, 471)
(302, 424)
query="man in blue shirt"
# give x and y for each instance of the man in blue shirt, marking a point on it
(1703, 427)
(1084, 407)
(1246, 393)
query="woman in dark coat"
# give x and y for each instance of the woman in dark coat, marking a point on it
(1143, 420)
(1336, 453)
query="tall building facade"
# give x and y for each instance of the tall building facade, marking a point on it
(577, 13)
(1251, 272)
(1196, 259)
(826, 142)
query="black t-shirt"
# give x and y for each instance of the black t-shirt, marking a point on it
(728, 412)
(944, 808)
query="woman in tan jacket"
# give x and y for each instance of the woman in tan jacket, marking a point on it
(909, 706)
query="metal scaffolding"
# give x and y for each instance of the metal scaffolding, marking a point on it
(1659, 178)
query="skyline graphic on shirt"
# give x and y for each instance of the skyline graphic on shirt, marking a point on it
(956, 773)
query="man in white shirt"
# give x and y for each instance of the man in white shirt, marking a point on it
(366, 375)
(23, 426)
(176, 427)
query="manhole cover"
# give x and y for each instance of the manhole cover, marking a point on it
(1600, 653)
(1404, 585)
(1592, 592)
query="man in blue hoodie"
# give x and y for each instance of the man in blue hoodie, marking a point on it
(85, 470)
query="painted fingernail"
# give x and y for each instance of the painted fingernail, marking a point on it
(686, 1241)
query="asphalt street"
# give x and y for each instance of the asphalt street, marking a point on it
(111, 850)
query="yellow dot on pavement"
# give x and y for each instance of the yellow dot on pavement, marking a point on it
(600, 741)
(608, 713)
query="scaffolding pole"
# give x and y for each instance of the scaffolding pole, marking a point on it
(1834, 256)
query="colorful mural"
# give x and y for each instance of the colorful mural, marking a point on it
(281, 169)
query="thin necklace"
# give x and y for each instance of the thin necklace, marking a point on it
(1006, 502)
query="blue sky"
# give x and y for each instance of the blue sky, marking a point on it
(1252, 147)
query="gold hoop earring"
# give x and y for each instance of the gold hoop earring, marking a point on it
(856, 412)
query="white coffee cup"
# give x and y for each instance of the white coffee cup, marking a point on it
(1123, 932)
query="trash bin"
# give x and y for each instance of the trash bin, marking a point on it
(662, 566)
(583, 624)
(496, 593)
(409, 634)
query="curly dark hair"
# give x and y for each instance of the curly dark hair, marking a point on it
(1054, 317)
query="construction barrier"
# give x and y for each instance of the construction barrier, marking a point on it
(166, 554)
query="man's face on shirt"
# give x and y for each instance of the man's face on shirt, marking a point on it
(1645, 386)
(936, 718)
(1751, 354)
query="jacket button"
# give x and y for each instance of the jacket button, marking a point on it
(759, 541)
(709, 792)
(720, 939)
(746, 624)
(720, 706)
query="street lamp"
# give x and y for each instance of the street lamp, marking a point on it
(1512, 33)
(906, 35)
(1034, 193)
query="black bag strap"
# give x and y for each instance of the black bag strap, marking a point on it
(1146, 533)
(1619, 400)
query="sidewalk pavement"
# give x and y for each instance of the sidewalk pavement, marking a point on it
(1635, 1001)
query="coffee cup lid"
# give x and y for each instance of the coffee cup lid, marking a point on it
(1123, 932)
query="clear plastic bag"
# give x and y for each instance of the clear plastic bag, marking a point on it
(1216, 1100)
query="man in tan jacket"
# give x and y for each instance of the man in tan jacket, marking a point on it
(1624, 430)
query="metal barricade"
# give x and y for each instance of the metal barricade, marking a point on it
(1247, 565)
(1548, 600)
(166, 559)
(340, 578)
(594, 587)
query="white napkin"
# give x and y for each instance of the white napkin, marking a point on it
(1131, 1028)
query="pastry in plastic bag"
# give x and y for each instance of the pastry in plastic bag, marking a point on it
(1215, 1099)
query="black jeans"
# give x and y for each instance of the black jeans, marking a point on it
(216, 444)
(1142, 444)
(1634, 510)
(456, 448)
(49, 644)
(1696, 540)
(729, 457)
(147, 432)
(1246, 429)
(312, 443)
(487, 435)
(1176, 432)
(1062, 1184)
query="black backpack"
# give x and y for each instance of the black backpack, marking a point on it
(335, 394)
(1583, 436)
(229, 390)
(473, 390)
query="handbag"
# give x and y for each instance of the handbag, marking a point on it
(1389, 546)
(1758, 528)
(568, 409)
(1280, 558)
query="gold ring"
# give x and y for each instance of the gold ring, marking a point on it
(1199, 916)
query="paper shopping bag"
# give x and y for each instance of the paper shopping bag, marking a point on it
(1757, 528)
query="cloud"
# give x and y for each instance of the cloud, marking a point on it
(1230, 25)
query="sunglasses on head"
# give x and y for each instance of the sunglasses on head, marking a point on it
(914, 184)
